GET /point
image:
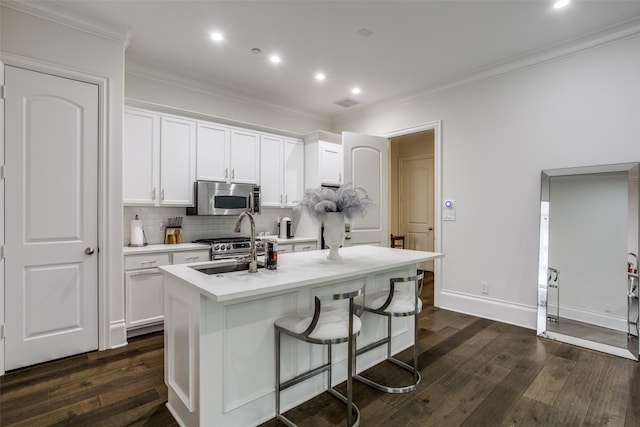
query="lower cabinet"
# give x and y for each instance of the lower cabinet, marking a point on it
(143, 296)
(144, 288)
(284, 248)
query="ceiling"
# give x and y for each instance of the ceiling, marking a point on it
(413, 46)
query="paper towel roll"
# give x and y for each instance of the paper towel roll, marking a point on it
(137, 237)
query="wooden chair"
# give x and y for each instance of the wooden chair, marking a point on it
(397, 242)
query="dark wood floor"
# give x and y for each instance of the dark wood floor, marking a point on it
(475, 372)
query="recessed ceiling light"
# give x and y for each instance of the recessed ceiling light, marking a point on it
(320, 76)
(217, 36)
(275, 59)
(560, 4)
(355, 90)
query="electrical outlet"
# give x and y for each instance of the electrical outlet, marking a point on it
(484, 287)
(607, 308)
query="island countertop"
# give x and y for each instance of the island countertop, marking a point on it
(295, 270)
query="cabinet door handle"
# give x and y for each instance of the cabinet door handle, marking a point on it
(226, 172)
(340, 177)
(286, 198)
(280, 198)
(162, 194)
(233, 173)
(148, 262)
(153, 194)
(192, 258)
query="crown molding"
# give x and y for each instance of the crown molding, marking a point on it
(215, 90)
(72, 19)
(613, 34)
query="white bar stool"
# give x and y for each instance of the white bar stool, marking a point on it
(324, 325)
(395, 303)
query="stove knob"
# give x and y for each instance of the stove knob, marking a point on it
(216, 247)
(228, 246)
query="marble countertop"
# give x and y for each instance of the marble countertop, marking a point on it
(295, 270)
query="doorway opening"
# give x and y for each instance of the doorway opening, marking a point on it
(415, 194)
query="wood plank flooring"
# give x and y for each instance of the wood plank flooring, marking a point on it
(475, 372)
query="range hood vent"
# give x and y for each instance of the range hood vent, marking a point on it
(347, 102)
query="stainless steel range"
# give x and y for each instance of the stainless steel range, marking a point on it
(231, 247)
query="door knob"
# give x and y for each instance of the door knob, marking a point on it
(89, 251)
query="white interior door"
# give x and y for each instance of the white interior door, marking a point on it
(416, 204)
(51, 280)
(366, 165)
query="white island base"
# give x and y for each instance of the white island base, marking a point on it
(219, 335)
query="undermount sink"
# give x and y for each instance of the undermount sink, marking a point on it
(225, 268)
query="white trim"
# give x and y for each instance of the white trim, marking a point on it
(72, 19)
(609, 321)
(2, 219)
(613, 34)
(105, 334)
(436, 126)
(512, 313)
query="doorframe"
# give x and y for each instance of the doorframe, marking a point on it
(104, 327)
(436, 127)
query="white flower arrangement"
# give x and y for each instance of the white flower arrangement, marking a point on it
(350, 201)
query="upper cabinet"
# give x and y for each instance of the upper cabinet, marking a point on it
(281, 171)
(323, 159)
(159, 159)
(227, 154)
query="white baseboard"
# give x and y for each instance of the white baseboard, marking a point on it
(598, 319)
(117, 334)
(489, 308)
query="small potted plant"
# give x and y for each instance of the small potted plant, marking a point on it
(331, 208)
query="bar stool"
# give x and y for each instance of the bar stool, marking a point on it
(397, 241)
(326, 325)
(395, 303)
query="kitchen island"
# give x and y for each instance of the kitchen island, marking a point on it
(219, 337)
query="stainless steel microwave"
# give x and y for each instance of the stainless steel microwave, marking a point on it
(219, 198)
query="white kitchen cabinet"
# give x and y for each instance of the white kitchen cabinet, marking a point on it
(212, 153)
(281, 170)
(159, 159)
(141, 156)
(244, 157)
(323, 159)
(177, 165)
(143, 284)
(143, 298)
(330, 163)
(227, 154)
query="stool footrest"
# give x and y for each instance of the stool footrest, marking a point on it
(373, 345)
(388, 389)
(304, 376)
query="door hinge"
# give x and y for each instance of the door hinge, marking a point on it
(2, 332)
(3, 171)
(1, 91)
(2, 251)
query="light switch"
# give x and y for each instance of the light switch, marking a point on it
(449, 215)
(448, 211)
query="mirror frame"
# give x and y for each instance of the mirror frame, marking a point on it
(632, 170)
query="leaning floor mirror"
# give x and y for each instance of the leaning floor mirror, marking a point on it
(588, 263)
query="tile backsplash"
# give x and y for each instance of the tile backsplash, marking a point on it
(154, 220)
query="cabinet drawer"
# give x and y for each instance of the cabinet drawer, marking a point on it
(191, 256)
(304, 247)
(136, 262)
(285, 248)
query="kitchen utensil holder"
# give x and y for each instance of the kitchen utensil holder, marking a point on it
(172, 235)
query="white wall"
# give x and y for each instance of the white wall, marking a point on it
(497, 136)
(41, 38)
(189, 97)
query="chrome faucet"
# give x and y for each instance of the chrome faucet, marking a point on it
(253, 261)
